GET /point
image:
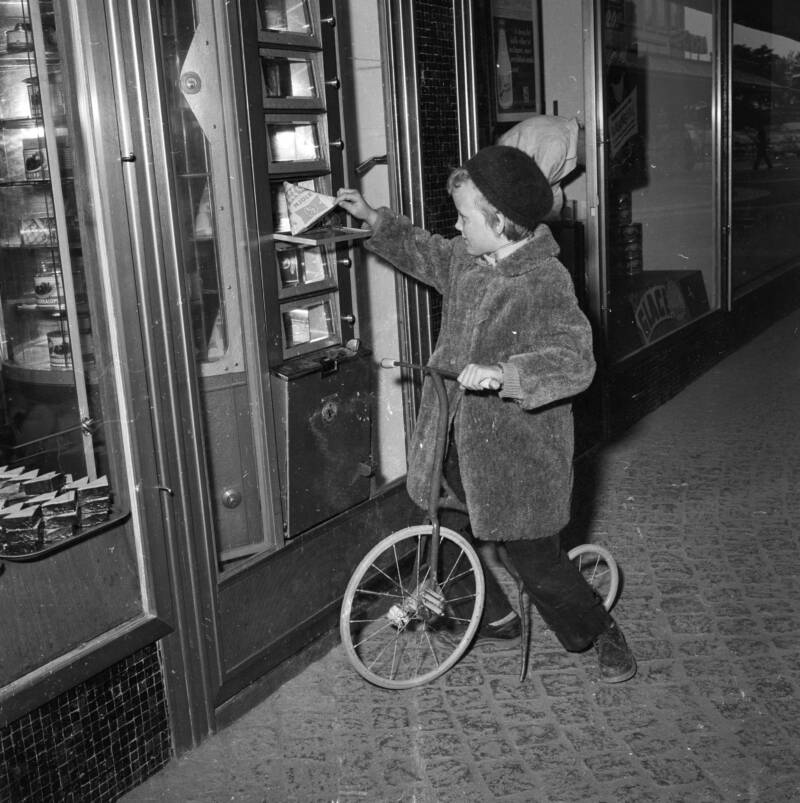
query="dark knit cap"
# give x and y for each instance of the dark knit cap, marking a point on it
(513, 183)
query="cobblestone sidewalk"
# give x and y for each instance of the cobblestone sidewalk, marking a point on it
(700, 504)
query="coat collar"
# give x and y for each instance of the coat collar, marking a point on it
(527, 256)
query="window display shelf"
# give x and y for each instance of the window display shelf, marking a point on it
(43, 547)
(19, 122)
(26, 182)
(46, 375)
(57, 311)
(17, 245)
(26, 121)
(22, 59)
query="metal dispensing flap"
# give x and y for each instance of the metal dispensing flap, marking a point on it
(199, 80)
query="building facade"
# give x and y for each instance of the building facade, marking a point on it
(185, 495)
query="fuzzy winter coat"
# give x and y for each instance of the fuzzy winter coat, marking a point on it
(515, 448)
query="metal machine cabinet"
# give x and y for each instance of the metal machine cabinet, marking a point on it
(323, 409)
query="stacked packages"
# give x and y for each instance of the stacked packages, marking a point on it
(38, 510)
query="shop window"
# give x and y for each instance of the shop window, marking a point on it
(765, 104)
(661, 253)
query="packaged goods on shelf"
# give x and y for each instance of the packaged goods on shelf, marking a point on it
(68, 519)
(6, 510)
(59, 349)
(51, 481)
(86, 489)
(93, 513)
(25, 519)
(19, 39)
(38, 231)
(60, 515)
(40, 499)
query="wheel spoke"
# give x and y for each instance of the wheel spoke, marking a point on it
(431, 646)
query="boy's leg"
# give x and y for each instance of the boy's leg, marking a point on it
(496, 607)
(567, 603)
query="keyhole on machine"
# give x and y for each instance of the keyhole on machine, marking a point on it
(329, 410)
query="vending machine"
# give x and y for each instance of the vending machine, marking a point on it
(318, 367)
(289, 316)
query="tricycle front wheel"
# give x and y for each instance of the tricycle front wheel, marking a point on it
(401, 627)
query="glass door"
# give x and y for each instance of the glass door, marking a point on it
(220, 289)
(661, 230)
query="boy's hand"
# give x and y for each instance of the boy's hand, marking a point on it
(481, 377)
(354, 204)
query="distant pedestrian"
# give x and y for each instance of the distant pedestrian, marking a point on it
(762, 145)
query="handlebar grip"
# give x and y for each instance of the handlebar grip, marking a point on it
(388, 362)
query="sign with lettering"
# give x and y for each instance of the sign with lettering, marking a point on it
(623, 123)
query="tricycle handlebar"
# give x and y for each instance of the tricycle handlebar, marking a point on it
(388, 362)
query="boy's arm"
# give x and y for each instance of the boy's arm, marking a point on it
(411, 249)
(559, 363)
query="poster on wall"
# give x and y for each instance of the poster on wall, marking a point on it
(515, 27)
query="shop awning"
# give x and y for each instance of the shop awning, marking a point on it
(781, 17)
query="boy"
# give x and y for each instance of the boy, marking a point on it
(512, 327)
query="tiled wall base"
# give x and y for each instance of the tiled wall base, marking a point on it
(93, 742)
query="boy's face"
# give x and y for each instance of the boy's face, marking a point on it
(479, 236)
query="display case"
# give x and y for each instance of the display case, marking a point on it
(47, 353)
(70, 561)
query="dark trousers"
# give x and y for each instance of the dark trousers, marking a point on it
(567, 603)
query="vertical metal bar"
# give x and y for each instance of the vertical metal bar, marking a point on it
(60, 214)
(90, 125)
(722, 137)
(596, 167)
(466, 91)
(196, 632)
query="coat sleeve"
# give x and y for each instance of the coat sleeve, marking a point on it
(558, 361)
(412, 250)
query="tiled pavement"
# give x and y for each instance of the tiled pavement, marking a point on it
(700, 503)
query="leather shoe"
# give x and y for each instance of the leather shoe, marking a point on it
(614, 656)
(504, 632)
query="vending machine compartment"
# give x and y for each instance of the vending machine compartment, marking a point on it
(323, 414)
